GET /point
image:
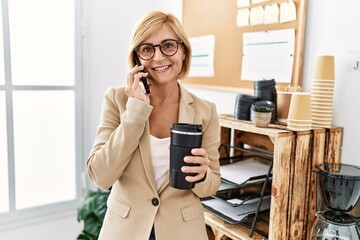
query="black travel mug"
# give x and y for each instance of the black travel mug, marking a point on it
(184, 137)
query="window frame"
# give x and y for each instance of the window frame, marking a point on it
(14, 218)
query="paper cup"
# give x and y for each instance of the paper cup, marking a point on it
(321, 126)
(321, 113)
(299, 125)
(300, 106)
(322, 95)
(293, 121)
(283, 104)
(322, 122)
(321, 100)
(323, 81)
(293, 128)
(322, 84)
(324, 68)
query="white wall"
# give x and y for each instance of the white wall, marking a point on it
(335, 29)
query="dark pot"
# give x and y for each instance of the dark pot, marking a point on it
(242, 106)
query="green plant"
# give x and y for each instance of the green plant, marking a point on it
(92, 212)
(262, 108)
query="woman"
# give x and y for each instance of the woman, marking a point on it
(131, 149)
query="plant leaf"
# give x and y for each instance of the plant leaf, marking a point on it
(92, 212)
(85, 236)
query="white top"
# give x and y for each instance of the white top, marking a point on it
(160, 158)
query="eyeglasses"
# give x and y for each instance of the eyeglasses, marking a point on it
(168, 47)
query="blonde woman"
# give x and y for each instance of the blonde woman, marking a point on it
(131, 149)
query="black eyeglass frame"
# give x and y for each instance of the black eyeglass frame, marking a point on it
(159, 46)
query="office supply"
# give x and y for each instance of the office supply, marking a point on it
(244, 172)
(271, 14)
(287, 11)
(242, 18)
(235, 214)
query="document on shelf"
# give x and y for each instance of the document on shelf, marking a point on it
(236, 214)
(226, 186)
(246, 171)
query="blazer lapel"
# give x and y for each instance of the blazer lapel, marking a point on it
(186, 115)
(144, 147)
(186, 111)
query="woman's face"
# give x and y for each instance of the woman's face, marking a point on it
(161, 68)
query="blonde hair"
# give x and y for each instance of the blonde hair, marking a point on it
(149, 24)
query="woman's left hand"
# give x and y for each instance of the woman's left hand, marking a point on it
(201, 159)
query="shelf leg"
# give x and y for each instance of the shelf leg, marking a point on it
(251, 233)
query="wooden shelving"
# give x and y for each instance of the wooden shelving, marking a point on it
(293, 192)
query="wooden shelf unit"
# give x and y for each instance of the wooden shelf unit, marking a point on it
(293, 192)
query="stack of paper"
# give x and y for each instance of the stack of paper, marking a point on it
(246, 171)
(236, 214)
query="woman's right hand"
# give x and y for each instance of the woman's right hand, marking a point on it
(133, 88)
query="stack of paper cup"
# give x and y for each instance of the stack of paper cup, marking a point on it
(299, 117)
(283, 105)
(322, 92)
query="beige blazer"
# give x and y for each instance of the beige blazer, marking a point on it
(120, 158)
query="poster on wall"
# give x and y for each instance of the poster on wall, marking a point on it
(268, 55)
(202, 57)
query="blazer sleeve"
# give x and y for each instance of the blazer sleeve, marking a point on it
(211, 143)
(118, 135)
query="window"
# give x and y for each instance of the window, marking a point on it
(4, 188)
(39, 107)
(4, 184)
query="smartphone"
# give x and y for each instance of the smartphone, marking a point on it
(143, 79)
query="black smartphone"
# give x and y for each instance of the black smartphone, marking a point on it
(143, 79)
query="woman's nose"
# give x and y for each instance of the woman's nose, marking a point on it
(158, 55)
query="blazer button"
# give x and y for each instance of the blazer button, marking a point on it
(155, 201)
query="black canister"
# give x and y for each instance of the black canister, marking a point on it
(242, 106)
(265, 90)
(184, 137)
(339, 185)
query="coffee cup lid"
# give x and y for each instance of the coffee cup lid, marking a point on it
(187, 129)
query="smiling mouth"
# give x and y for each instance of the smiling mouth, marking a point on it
(161, 68)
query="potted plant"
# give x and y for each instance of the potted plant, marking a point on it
(261, 113)
(92, 212)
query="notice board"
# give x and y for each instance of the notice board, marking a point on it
(218, 18)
